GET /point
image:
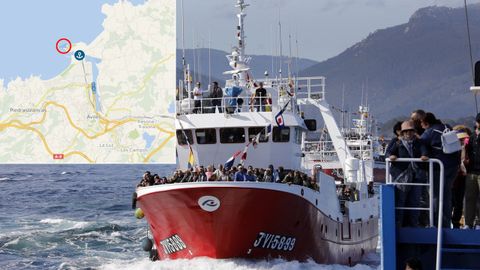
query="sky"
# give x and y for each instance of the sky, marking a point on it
(321, 28)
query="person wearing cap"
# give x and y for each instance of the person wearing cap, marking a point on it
(408, 146)
(432, 139)
(472, 182)
(197, 98)
(458, 187)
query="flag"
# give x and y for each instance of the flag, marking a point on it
(268, 130)
(256, 140)
(279, 116)
(279, 119)
(244, 154)
(229, 163)
(191, 159)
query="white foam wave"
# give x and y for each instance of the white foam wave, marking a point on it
(65, 224)
(52, 220)
(115, 234)
(4, 178)
(64, 173)
(231, 264)
(12, 242)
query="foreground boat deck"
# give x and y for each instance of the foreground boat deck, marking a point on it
(460, 248)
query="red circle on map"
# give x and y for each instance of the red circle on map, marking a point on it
(69, 47)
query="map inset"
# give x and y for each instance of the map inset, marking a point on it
(113, 103)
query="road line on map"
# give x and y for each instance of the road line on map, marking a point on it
(146, 78)
(47, 147)
(90, 94)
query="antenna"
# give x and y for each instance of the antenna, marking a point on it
(186, 72)
(296, 59)
(209, 59)
(183, 42)
(290, 56)
(366, 93)
(343, 107)
(274, 50)
(361, 99)
(195, 72)
(470, 50)
(281, 52)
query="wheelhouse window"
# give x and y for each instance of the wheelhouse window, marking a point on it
(232, 135)
(253, 131)
(181, 139)
(281, 134)
(206, 136)
(298, 135)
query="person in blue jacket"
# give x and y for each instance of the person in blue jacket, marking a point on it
(408, 146)
(451, 163)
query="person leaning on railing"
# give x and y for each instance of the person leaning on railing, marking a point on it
(408, 146)
(239, 173)
(197, 98)
(451, 163)
(216, 95)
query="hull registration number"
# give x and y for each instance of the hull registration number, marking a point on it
(274, 241)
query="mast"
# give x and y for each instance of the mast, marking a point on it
(238, 61)
(186, 85)
(281, 52)
(290, 57)
(241, 32)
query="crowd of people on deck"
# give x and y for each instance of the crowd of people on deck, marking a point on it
(238, 173)
(209, 100)
(423, 136)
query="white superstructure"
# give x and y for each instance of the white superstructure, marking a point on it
(215, 133)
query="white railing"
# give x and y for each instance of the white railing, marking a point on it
(301, 87)
(224, 104)
(288, 89)
(431, 194)
(324, 150)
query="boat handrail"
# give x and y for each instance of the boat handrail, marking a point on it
(303, 87)
(430, 161)
(225, 104)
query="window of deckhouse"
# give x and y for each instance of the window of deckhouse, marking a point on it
(253, 131)
(232, 135)
(206, 136)
(281, 134)
(181, 137)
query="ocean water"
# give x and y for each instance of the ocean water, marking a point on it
(80, 217)
(30, 29)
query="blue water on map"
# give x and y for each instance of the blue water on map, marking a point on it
(80, 217)
(95, 62)
(137, 2)
(171, 107)
(30, 30)
(148, 140)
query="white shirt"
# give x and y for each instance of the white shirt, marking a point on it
(197, 93)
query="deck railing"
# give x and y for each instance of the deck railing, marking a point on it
(431, 194)
(224, 104)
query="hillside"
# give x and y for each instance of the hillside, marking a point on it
(423, 63)
(219, 64)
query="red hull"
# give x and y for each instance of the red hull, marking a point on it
(250, 223)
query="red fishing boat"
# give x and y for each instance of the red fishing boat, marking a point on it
(263, 220)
